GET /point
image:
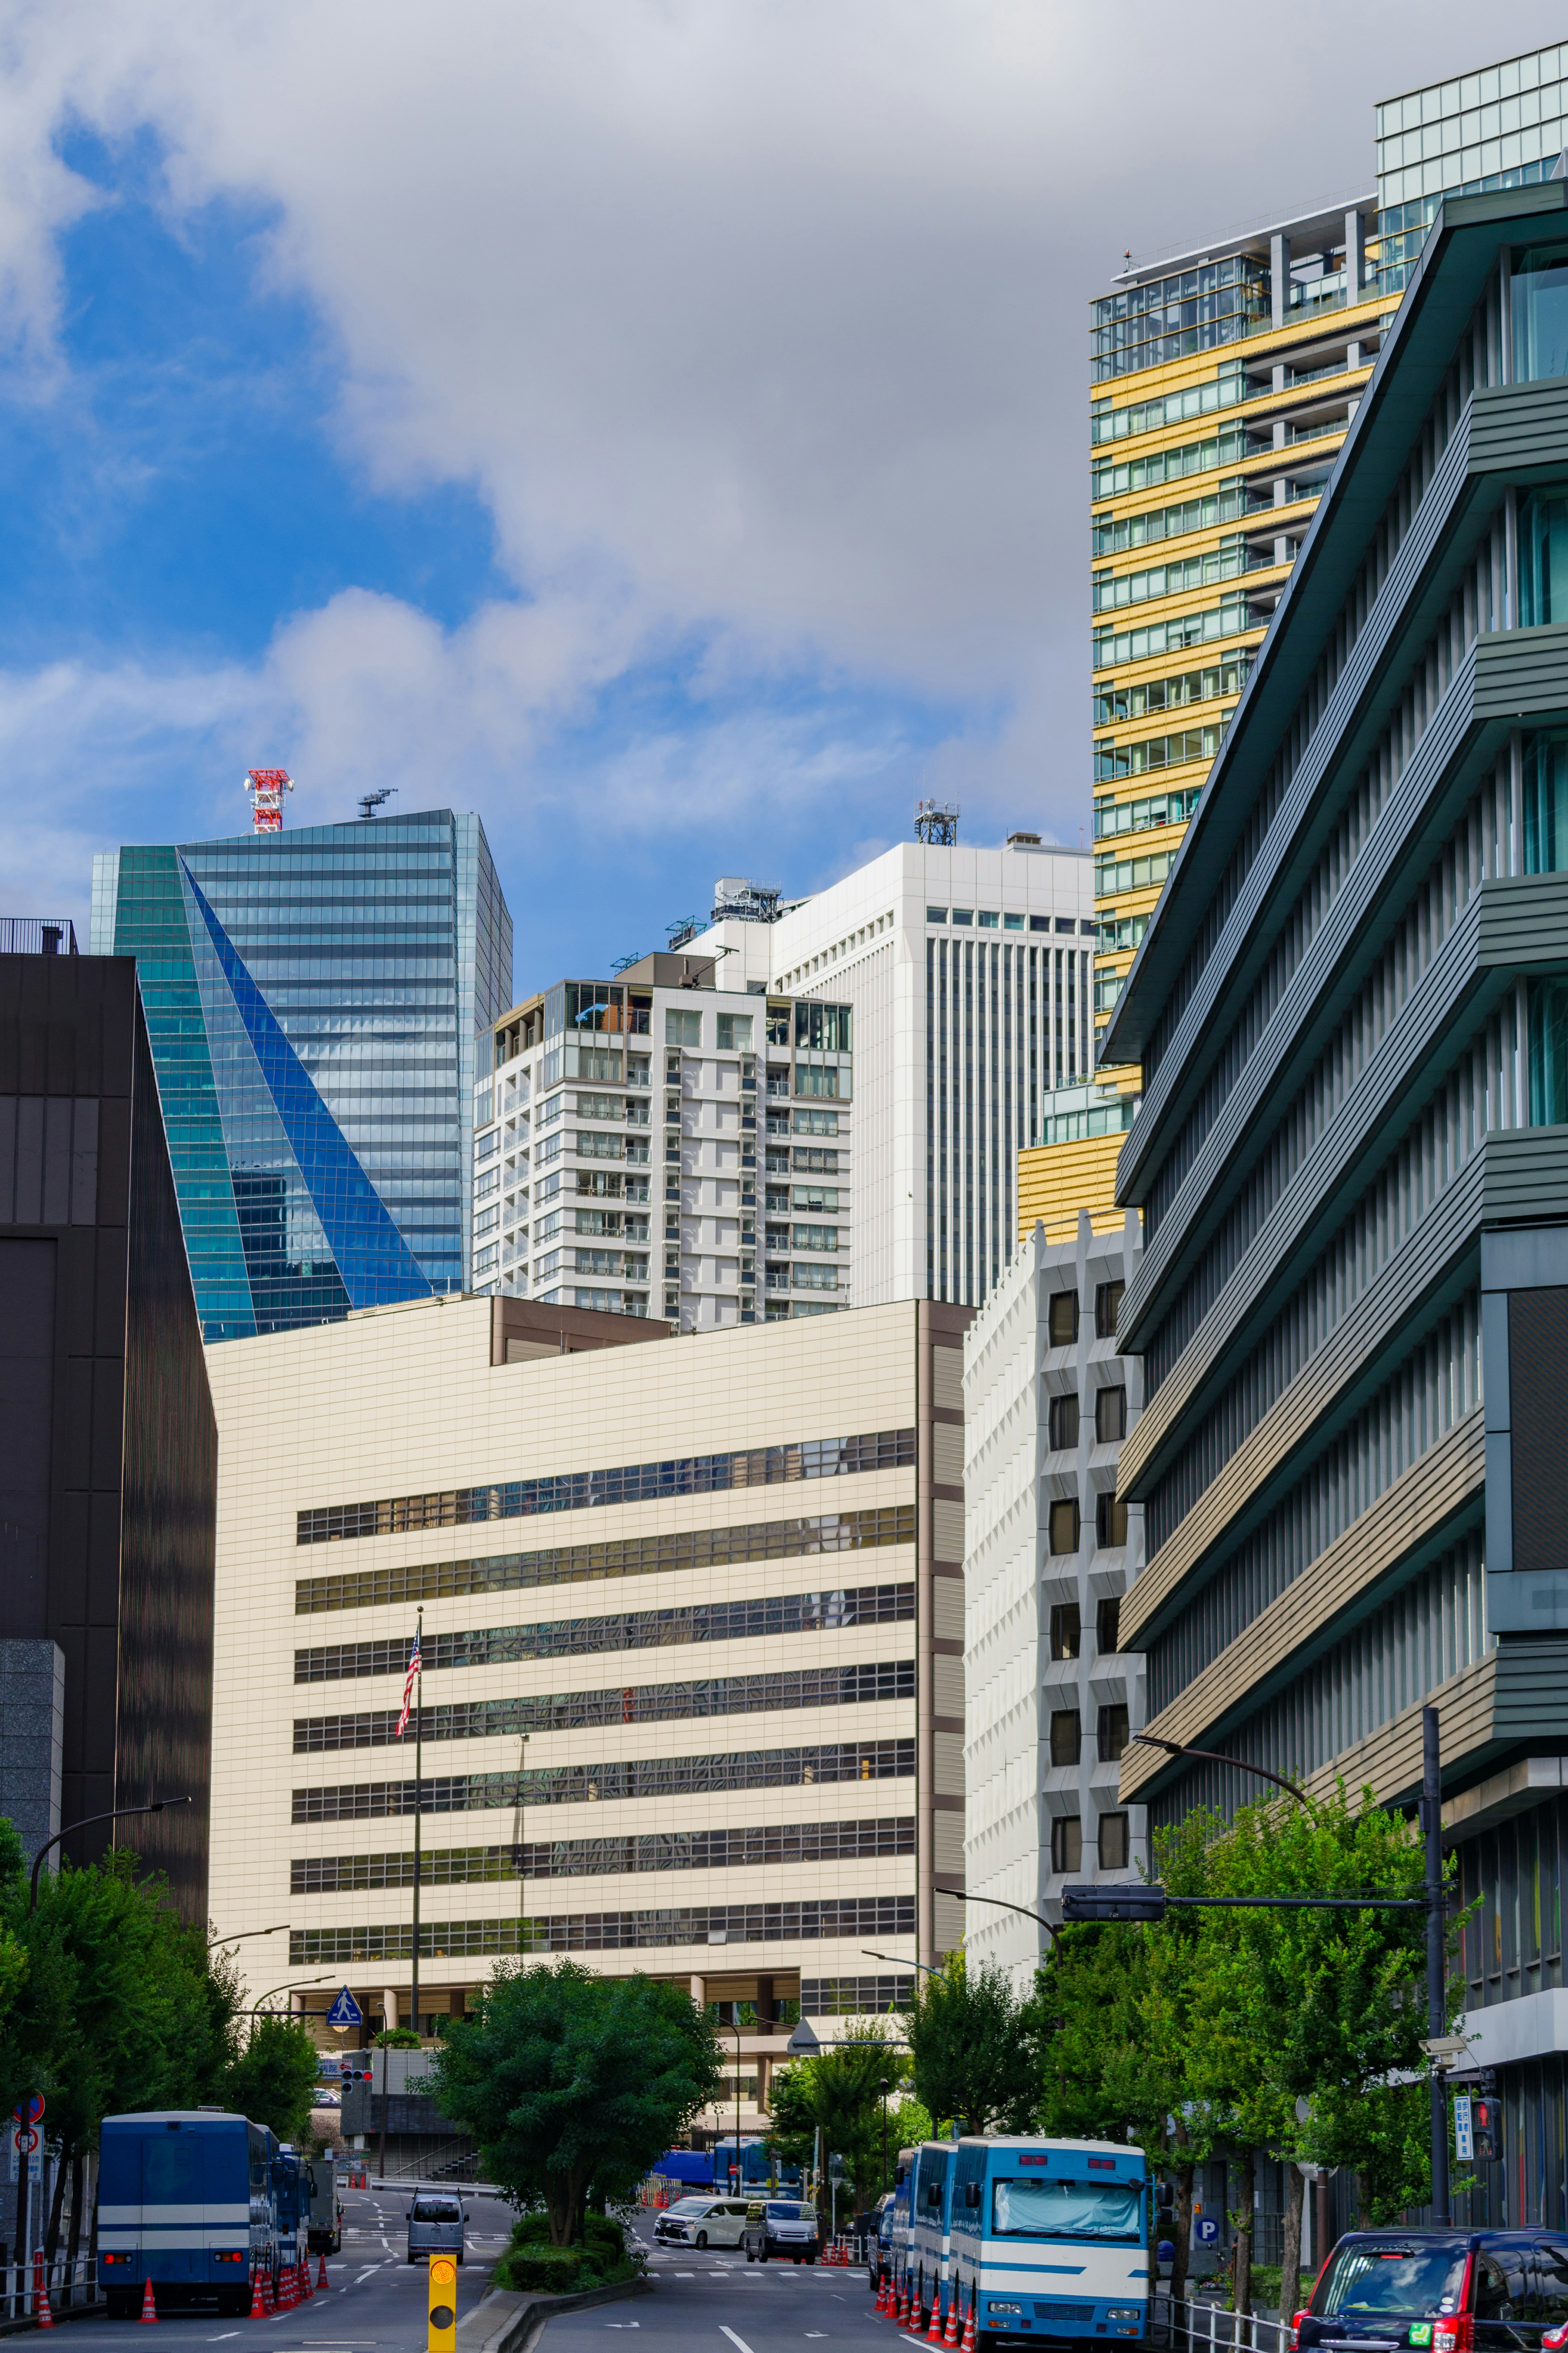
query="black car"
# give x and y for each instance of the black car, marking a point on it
(1439, 2291)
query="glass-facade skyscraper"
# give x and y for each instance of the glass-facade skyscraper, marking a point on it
(313, 998)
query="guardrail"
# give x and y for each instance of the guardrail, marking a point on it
(70, 2285)
(1201, 2324)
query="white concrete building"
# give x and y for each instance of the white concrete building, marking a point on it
(618, 1126)
(1048, 1552)
(969, 975)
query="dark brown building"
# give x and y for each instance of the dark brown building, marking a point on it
(108, 1445)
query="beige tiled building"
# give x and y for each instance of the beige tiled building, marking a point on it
(723, 1730)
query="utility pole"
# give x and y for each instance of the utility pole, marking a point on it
(419, 1803)
(1436, 1956)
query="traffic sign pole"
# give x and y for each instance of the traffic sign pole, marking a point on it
(26, 2112)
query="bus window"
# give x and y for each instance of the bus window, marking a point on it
(1069, 2209)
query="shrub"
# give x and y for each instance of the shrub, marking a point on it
(532, 2266)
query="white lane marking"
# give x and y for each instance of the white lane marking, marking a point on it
(224, 2338)
(734, 2340)
(810, 2332)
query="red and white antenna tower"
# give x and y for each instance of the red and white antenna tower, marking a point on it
(267, 788)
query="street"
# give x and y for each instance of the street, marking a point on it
(718, 2303)
(375, 2301)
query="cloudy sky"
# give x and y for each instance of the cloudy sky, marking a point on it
(657, 424)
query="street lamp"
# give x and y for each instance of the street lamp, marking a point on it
(115, 1814)
(897, 1961)
(1214, 1756)
(884, 2086)
(243, 1933)
(288, 1986)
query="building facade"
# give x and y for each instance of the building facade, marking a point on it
(1051, 1698)
(311, 999)
(967, 972)
(621, 1129)
(657, 1733)
(1351, 1159)
(107, 1447)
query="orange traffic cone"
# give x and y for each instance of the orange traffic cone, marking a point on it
(903, 2314)
(969, 2322)
(950, 2334)
(321, 2279)
(306, 2290)
(149, 2305)
(286, 2288)
(257, 2306)
(43, 2317)
(933, 2334)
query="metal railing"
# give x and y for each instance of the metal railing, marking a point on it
(37, 935)
(1208, 2324)
(72, 2285)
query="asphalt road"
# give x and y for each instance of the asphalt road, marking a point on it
(718, 2303)
(375, 2301)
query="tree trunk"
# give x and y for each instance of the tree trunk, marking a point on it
(52, 2236)
(1242, 2253)
(1184, 2239)
(1364, 2200)
(73, 2244)
(1290, 2244)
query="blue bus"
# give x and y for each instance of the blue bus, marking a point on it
(1051, 2238)
(928, 2257)
(187, 2198)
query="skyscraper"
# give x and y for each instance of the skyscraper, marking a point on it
(311, 999)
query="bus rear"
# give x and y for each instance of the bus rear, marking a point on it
(930, 2208)
(184, 2201)
(1050, 2242)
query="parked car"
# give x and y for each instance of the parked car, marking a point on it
(1442, 2291)
(785, 2227)
(702, 2222)
(435, 2226)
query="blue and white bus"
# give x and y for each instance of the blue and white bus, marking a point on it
(187, 2198)
(929, 2255)
(1050, 2239)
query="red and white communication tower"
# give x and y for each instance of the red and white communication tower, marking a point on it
(267, 788)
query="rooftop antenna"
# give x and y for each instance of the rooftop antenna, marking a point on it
(267, 788)
(370, 802)
(935, 825)
(624, 962)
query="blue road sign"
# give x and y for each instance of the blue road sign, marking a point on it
(346, 2011)
(1206, 2230)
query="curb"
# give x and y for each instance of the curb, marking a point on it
(503, 2319)
(71, 2312)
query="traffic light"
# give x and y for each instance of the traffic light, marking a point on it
(1486, 2116)
(1129, 1899)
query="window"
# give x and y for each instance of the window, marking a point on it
(1552, 2285)
(1064, 1424)
(1066, 1736)
(989, 920)
(1109, 1417)
(1064, 1630)
(1541, 313)
(1108, 1624)
(963, 914)
(682, 1028)
(487, 1145)
(1064, 1526)
(1110, 1521)
(1113, 1848)
(936, 914)
(486, 1184)
(1111, 1733)
(817, 1123)
(1012, 923)
(808, 1162)
(816, 1238)
(1039, 922)
(1066, 923)
(1066, 1843)
(813, 1079)
(734, 1033)
(1062, 1324)
(822, 1029)
(816, 1278)
(1107, 1308)
(821, 1197)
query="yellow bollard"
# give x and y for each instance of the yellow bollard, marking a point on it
(443, 2335)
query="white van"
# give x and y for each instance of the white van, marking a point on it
(702, 2221)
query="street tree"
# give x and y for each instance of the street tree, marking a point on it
(273, 2078)
(575, 2084)
(970, 2043)
(838, 2093)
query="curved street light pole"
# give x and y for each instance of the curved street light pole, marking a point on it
(1214, 1756)
(115, 1814)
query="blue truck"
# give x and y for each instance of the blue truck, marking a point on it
(188, 2197)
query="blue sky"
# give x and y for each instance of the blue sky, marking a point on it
(659, 427)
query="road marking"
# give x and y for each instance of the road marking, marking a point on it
(736, 2340)
(217, 2340)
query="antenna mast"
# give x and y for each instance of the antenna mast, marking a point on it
(935, 825)
(267, 788)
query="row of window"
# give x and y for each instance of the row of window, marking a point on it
(633, 1629)
(603, 1858)
(821, 1763)
(1112, 590)
(1228, 618)
(1112, 874)
(1112, 704)
(822, 1199)
(1227, 386)
(1067, 1843)
(988, 920)
(1064, 1523)
(1109, 1420)
(805, 1160)
(1065, 1628)
(1067, 1735)
(1110, 478)
(609, 1932)
(488, 1719)
(1119, 534)
(1062, 1313)
(637, 1483)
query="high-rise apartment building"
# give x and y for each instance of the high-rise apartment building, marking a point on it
(967, 973)
(657, 1144)
(311, 999)
(1050, 1697)
(657, 1733)
(1350, 1013)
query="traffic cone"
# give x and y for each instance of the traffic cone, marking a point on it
(42, 2316)
(933, 2334)
(286, 2288)
(968, 2345)
(149, 2305)
(902, 2313)
(257, 2306)
(321, 2279)
(882, 2294)
(306, 2290)
(950, 2334)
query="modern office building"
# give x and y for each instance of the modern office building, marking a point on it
(107, 1447)
(620, 1130)
(663, 1739)
(1049, 1549)
(311, 999)
(967, 973)
(1349, 1011)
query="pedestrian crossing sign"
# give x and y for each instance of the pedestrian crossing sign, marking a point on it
(345, 2011)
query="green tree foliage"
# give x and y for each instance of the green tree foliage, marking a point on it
(574, 2083)
(972, 2048)
(839, 2092)
(273, 2079)
(398, 2038)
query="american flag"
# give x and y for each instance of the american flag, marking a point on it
(408, 1690)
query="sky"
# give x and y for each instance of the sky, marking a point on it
(658, 424)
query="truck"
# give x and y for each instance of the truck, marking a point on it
(1051, 2238)
(290, 2175)
(187, 2200)
(323, 2209)
(927, 2259)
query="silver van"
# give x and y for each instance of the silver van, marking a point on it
(435, 2225)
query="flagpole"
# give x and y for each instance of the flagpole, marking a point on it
(418, 1801)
